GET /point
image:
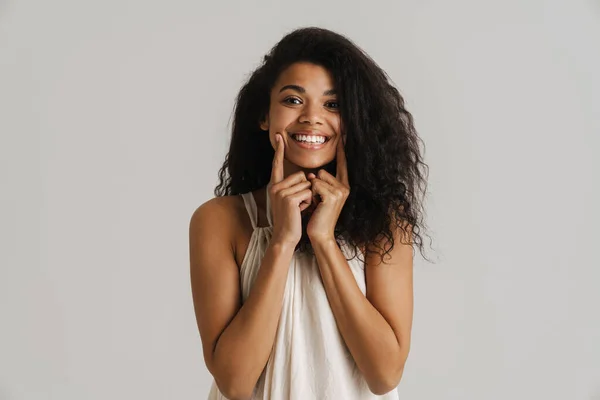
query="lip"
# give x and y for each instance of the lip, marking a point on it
(311, 146)
(310, 133)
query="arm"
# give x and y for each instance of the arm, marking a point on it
(376, 328)
(237, 339)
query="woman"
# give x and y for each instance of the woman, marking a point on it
(293, 296)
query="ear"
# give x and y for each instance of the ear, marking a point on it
(264, 123)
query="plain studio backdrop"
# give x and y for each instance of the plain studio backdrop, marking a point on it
(115, 117)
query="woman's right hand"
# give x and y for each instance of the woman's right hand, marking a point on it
(288, 198)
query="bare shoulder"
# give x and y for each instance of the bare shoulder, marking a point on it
(221, 205)
(224, 220)
(219, 213)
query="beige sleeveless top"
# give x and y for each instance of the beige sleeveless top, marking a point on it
(309, 359)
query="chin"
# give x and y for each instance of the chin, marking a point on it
(310, 164)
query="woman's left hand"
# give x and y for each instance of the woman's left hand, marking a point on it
(333, 192)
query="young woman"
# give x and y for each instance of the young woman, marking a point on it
(301, 266)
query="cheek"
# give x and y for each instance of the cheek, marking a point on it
(281, 117)
(335, 123)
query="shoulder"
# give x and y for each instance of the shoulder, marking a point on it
(223, 215)
(223, 209)
(223, 205)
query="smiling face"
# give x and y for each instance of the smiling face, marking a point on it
(303, 107)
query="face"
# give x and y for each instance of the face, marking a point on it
(304, 109)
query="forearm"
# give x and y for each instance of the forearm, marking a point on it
(245, 345)
(369, 337)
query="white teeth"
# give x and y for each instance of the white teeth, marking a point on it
(309, 139)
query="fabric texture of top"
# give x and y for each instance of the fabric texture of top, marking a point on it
(309, 359)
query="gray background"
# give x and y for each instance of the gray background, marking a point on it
(114, 118)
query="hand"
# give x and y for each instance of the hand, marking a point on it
(333, 192)
(288, 198)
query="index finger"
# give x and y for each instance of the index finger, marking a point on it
(277, 167)
(342, 166)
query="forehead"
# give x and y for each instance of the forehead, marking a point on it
(308, 75)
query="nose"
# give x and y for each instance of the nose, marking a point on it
(312, 114)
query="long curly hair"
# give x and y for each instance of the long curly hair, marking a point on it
(386, 173)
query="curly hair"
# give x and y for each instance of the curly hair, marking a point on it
(386, 171)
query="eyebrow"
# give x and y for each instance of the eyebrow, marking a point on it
(300, 89)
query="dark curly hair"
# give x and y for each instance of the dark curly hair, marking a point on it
(382, 145)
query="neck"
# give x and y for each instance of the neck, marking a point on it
(289, 169)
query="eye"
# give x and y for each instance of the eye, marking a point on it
(333, 104)
(290, 99)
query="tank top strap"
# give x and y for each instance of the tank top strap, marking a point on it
(268, 206)
(251, 208)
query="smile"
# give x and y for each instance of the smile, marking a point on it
(309, 141)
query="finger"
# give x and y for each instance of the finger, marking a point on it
(328, 178)
(342, 166)
(312, 178)
(302, 198)
(277, 167)
(294, 179)
(304, 206)
(321, 189)
(295, 188)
